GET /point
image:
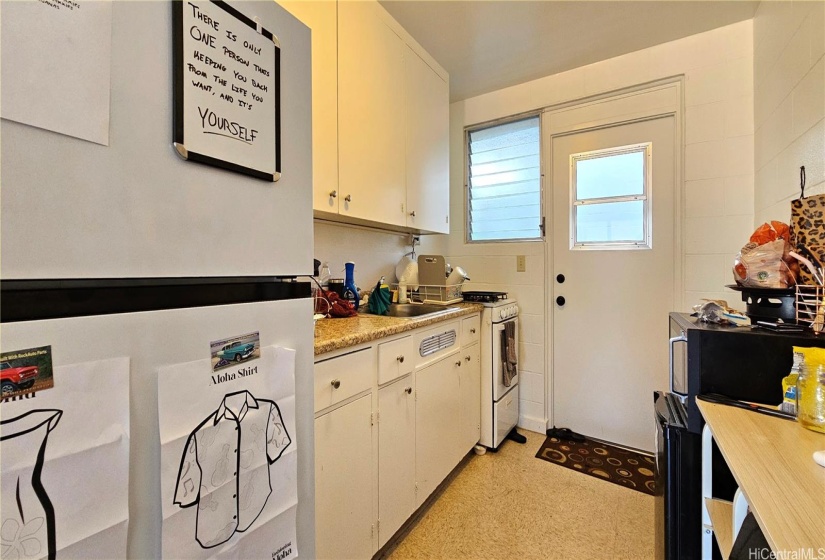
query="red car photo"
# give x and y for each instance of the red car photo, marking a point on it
(15, 379)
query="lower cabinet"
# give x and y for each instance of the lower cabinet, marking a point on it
(396, 457)
(344, 494)
(470, 396)
(437, 421)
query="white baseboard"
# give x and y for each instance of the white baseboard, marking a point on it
(538, 425)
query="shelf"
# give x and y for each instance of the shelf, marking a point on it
(721, 517)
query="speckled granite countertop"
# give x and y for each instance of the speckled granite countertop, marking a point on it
(335, 334)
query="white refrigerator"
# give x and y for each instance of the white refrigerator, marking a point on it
(128, 251)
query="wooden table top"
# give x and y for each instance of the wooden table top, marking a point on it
(771, 460)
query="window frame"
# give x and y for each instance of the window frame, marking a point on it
(490, 124)
(646, 197)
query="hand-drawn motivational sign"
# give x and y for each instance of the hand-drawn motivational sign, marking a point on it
(227, 89)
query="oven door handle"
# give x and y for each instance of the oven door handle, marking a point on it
(674, 340)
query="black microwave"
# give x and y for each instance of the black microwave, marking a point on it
(739, 362)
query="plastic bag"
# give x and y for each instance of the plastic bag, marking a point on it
(761, 266)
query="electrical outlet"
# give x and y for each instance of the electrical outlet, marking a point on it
(521, 263)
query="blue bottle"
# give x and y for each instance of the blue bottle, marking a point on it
(350, 289)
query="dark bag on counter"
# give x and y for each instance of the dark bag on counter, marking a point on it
(808, 228)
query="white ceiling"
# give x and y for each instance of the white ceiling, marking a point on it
(486, 45)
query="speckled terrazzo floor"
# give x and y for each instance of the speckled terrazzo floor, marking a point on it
(513, 505)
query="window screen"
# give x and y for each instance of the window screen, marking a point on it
(611, 199)
(504, 182)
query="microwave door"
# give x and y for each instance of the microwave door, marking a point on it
(678, 365)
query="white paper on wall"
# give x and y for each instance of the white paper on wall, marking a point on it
(64, 456)
(56, 65)
(228, 458)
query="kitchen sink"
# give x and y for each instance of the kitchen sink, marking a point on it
(417, 309)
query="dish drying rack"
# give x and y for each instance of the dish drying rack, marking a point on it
(439, 295)
(810, 307)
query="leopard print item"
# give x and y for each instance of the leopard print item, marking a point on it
(808, 229)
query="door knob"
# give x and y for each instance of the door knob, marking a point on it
(458, 363)
(400, 359)
(466, 358)
(333, 194)
(412, 213)
(335, 383)
(348, 198)
(560, 278)
(408, 390)
(560, 300)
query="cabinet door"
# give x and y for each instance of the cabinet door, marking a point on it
(437, 421)
(396, 457)
(370, 116)
(470, 381)
(344, 482)
(322, 18)
(428, 138)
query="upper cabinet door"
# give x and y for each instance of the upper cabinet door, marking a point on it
(428, 137)
(371, 116)
(322, 18)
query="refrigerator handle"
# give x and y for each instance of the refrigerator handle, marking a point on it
(674, 340)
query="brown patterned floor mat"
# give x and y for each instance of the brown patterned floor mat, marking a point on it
(608, 462)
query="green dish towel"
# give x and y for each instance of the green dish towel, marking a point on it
(379, 302)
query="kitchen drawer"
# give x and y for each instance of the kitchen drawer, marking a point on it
(470, 330)
(395, 358)
(341, 377)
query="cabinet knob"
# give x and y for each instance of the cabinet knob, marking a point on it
(333, 194)
(408, 390)
(472, 331)
(348, 198)
(458, 363)
(466, 358)
(412, 213)
(400, 359)
(335, 383)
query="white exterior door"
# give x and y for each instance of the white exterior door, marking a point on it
(610, 301)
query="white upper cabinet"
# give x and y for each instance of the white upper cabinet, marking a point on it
(380, 121)
(322, 18)
(370, 116)
(428, 135)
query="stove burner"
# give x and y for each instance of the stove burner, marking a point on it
(485, 297)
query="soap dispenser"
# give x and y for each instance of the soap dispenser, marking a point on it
(350, 289)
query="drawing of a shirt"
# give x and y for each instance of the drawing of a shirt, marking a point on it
(225, 466)
(27, 529)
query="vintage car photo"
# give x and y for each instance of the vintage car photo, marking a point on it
(25, 371)
(231, 351)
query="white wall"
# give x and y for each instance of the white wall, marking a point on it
(374, 252)
(717, 210)
(789, 104)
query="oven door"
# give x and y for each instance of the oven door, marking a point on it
(499, 389)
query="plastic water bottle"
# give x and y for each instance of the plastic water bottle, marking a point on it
(350, 289)
(810, 392)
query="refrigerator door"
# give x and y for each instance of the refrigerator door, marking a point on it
(161, 338)
(134, 208)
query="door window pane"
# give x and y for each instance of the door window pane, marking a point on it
(612, 175)
(610, 192)
(611, 222)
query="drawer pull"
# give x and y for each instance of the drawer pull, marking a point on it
(458, 363)
(348, 198)
(466, 358)
(333, 194)
(400, 359)
(472, 331)
(408, 390)
(335, 383)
